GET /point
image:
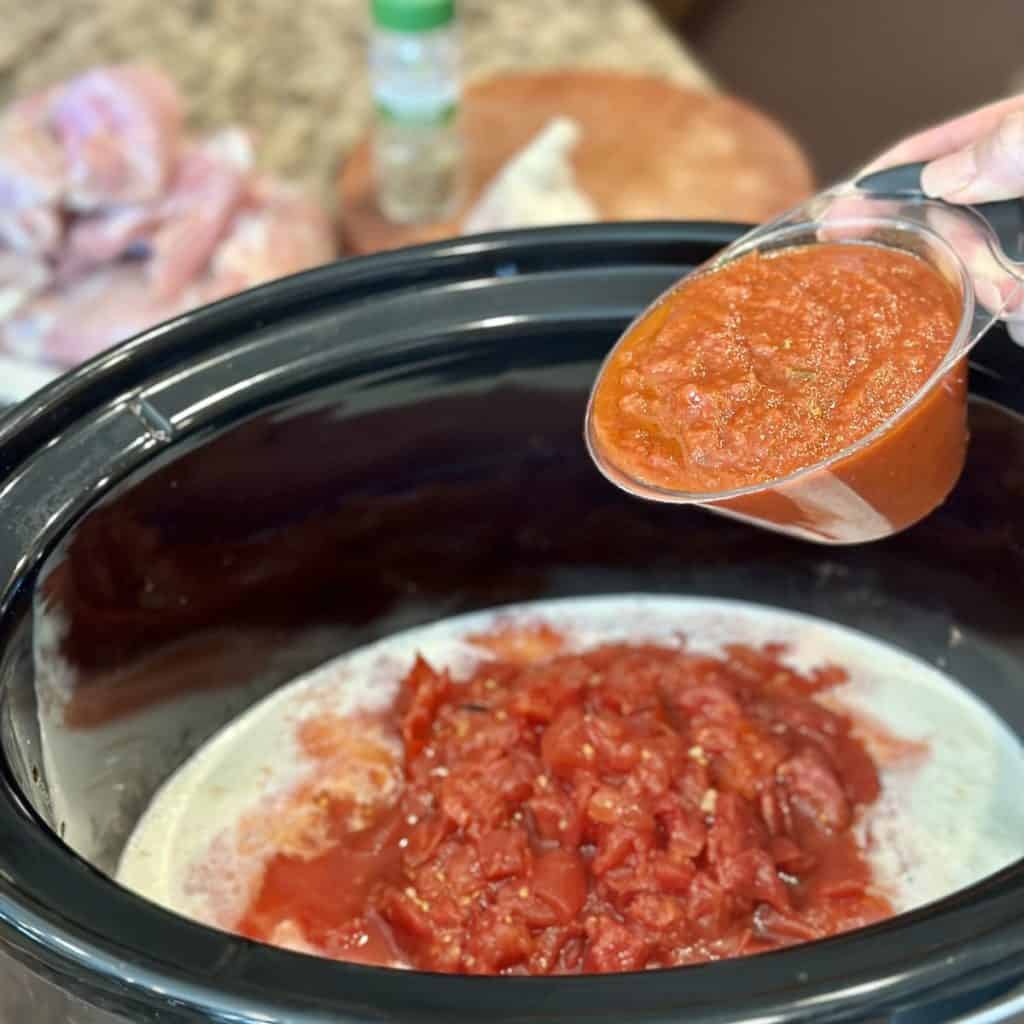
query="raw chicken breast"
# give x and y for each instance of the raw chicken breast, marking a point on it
(179, 230)
(106, 138)
(120, 129)
(32, 164)
(277, 232)
(111, 221)
(32, 174)
(104, 237)
(208, 188)
(72, 324)
(34, 231)
(21, 279)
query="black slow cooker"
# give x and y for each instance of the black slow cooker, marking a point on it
(197, 516)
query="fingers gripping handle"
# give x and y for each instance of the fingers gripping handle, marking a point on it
(900, 182)
(1006, 218)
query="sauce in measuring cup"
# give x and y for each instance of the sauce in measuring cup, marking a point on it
(793, 388)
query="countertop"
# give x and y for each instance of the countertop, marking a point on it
(295, 72)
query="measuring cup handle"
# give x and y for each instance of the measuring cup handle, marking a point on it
(900, 182)
(1005, 217)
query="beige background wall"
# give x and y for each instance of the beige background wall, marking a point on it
(848, 76)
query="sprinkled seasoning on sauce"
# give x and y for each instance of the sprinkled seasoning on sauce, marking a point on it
(624, 808)
(771, 364)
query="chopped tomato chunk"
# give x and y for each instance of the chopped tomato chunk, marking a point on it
(626, 808)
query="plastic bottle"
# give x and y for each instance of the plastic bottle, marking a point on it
(414, 63)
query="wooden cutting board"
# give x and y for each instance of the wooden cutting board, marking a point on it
(650, 150)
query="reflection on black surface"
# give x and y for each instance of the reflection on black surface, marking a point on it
(285, 541)
(316, 520)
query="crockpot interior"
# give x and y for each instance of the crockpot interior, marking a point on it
(255, 501)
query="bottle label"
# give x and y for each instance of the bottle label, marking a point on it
(406, 112)
(421, 98)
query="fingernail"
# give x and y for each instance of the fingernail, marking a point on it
(949, 174)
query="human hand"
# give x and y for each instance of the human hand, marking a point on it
(975, 158)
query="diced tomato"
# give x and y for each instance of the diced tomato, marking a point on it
(613, 847)
(614, 946)
(423, 692)
(708, 701)
(790, 857)
(565, 746)
(812, 785)
(683, 827)
(503, 853)
(780, 926)
(407, 912)
(611, 805)
(498, 941)
(735, 828)
(707, 906)
(751, 875)
(860, 776)
(659, 913)
(628, 808)
(543, 690)
(424, 839)
(548, 953)
(560, 881)
(775, 810)
(513, 777)
(554, 816)
(674, 875)
(846, 888)
(468, 802)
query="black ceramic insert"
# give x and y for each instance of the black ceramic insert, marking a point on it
(268, 482)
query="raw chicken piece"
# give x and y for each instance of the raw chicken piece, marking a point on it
(109, 137)
(120, 129)
(32, 170)
(34, 231)
(278, 232)
(69, 325)
(21, 279)
(111, 223)
(179, 230)
(32, 164)
(101, 238)
(208, 188)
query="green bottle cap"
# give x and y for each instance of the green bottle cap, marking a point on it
(413, 15)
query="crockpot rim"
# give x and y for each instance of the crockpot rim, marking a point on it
(66, 399)
(27, 428)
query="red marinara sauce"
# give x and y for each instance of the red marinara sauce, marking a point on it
(776, 362)
(628, 808)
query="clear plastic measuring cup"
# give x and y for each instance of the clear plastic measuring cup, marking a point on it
(897, 474)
